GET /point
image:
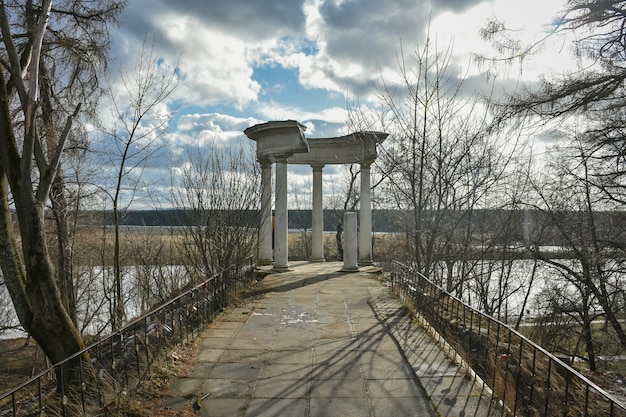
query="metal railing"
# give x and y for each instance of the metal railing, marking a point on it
(102, 375)
(525, 378)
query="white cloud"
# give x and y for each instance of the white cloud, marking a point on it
(209, 129)
(339, 46)
(325, 122)
(215, 122)
(214, 63)
(215, 68)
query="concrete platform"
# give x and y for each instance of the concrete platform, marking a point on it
(316, 342)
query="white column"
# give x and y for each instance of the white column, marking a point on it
(281, 248)
(365, 217)
(317, 249)
(349, 242)
(265, 228)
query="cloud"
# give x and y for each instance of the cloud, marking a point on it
(215, 63)
(214, 122)
(456, 6)
(359, 38)
(196, 130)
(338, 46)
(329, 122)
(367, 31)
(203, 129)
(550, 137)
(248, 21)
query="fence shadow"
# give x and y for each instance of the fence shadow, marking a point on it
(524, 378)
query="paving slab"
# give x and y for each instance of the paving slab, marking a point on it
(315, 341)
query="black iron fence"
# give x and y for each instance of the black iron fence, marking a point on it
(100, 377)
(526, 379)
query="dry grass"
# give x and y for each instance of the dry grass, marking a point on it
(386, 247)
(19, 359)
(148, 400)
(95, 245)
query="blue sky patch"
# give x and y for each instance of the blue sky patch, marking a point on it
(282, 85)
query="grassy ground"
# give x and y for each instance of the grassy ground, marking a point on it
(19, 360)
(147, 401)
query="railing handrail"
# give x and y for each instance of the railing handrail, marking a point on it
(154, 311)
(525, 339)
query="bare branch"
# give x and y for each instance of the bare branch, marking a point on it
(48, 176)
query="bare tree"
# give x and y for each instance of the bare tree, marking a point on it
(140, 119)
(442, 159)
(217, 200)
(36, 46)
(598, 38)
(159, 274)
(589, 99)
(567, 311)
(579, 214)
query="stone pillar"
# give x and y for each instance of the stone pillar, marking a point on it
(265, 228)
(365, 217)
(317, 249)
(349, 242)
(281, 248)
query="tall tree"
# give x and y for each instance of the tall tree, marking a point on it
(141, 119)
(41, 48)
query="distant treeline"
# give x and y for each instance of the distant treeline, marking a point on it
(298, 219)
(382, 220)
(499, 226)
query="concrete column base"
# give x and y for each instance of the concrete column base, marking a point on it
(350, 269)
(317, 260)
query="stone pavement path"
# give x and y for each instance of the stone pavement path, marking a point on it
(320, 343)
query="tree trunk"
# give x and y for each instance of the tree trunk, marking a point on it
(32, 285)
(58, 199)
(526, 296)
(118, 298)
(12, 268)
(604, 301)
(30, 278)
(51, 325)
(587, 334)
(65, 275)
(591, 355)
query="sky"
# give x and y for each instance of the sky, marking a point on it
(247, 62)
